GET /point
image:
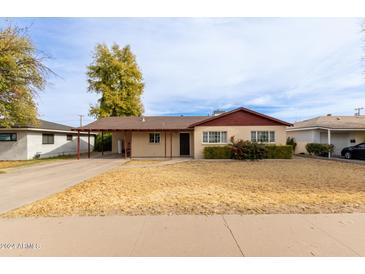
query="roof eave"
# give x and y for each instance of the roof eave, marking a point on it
(241, 109)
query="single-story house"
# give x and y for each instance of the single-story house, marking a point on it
(46, 140)
(186, 136)
(341, 131)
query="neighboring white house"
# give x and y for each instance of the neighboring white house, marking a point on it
(47, 140)
(341, 131)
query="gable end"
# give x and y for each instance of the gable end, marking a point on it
(241, 117)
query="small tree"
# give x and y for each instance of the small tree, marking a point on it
(115, 75)
(246, 150)
(22, 74)
(291, 141)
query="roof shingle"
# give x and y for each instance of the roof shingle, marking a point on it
(144, 123)
(334, 122)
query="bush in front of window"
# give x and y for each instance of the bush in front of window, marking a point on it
(319, 149)
(279, 151)
(217, 152)
(246, 150)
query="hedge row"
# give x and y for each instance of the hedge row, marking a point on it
(217, 152)
(279, 152)
(229, 152)
(319, 149)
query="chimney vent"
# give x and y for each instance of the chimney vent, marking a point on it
(329, 114)
(218, 112)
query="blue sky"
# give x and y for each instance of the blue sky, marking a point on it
(291, 68)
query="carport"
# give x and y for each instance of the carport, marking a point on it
(145, 137)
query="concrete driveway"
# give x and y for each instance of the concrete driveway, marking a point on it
(189, 235)
(23, 185)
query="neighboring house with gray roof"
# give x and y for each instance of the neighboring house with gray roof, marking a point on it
(341, 131)
(48, 139)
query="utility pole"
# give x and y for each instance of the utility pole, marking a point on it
(358, 110)
(81, 116)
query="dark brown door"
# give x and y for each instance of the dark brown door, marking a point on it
(184, 144)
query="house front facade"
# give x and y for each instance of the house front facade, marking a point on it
(46, 140)
(340, 131)
(186, 136)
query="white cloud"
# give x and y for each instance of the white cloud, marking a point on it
(295, 68)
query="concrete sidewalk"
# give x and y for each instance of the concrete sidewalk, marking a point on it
(23, 185)
(228, 235)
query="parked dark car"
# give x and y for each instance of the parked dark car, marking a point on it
(354, 152)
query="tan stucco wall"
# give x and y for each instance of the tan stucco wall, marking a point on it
(141, 147)
(239, 132)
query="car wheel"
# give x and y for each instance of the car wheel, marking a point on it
(348, 155)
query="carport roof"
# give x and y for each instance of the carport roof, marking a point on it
(143, 123)
(332, 122)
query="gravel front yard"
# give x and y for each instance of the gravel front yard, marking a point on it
(212, 187)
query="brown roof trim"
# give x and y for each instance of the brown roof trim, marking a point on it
(148, 129)
(241, 109)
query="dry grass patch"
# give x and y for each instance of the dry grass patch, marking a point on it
(19, 163)
(11, 164)
(202, 187)
(144, 162)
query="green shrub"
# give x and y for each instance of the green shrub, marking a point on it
(246, 150)
(291, 141)
(217, 152)
(107, 142)
(279, 152)
(319, 149)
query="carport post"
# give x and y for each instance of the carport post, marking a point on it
(165, 143)
(329, 141)
(125, 145)
(88, 144)
(102, 143)
(78, 145)
(171, 144)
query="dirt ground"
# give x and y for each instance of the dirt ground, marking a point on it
(213, 187)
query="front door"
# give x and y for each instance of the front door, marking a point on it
(184, 144)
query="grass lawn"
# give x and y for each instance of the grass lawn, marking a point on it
(212, 187)
(10, 164)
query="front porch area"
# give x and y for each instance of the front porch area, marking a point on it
(146, 144)
(152, 144)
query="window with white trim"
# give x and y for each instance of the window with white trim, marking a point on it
(215, 137)
(263, 136)
(155, 138)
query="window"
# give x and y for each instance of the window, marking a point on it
(215, 137)
(272, 137)
(155, 138)
(263, 136)
(253, 136)
(47, 139)
(8, 137)
(69, 137)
